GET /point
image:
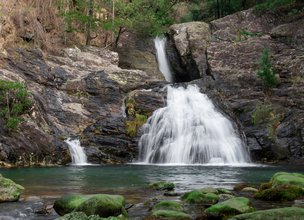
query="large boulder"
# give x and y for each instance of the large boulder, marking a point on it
(103, 205)
(230, 207)
(200, 197)
(283, 178)
(9, 190)
(69, 203)
(288, 213)
(187, 50)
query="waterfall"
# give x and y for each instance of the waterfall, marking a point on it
(77, 153)
(162, 60)
(189, 130)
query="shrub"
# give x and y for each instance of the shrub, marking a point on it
(266, 71)
(14, 101)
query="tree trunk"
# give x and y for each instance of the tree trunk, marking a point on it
(89, 24)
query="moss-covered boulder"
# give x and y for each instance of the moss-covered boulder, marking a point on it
(280, 193)
(103, 205)
(171, 215)
(209, 190)
(9, 190)
(74, 216)
(283, 178)
(282, 186)
(199, 197)
(82, 216)
(289, 213)
(162, 185)
(230, 207)
(168, 205)
(69, 203)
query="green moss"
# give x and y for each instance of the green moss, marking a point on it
(224, 191)
(283, 178)
(280, 193)
(291, 213)
(130, 108)
(162, 185)
(133, 126)
(199, 197)
(168, 205)
(264, 186)
(230, 207)
(74, 216)
(67, 204)
(9, 190)
(169, 214)
(103, 205)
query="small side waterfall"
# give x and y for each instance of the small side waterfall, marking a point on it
(190, 131)
(77, 153)
(162, 60)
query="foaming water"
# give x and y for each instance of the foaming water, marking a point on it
(78, 155)
(189, 130)
(163, 63)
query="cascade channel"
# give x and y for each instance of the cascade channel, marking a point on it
(189, 130)
(163, 63)
(77, 153)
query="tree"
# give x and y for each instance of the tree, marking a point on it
(14, 101)
(266, 71)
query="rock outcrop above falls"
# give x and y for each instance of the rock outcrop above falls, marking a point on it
(80, 93)
(273, 120)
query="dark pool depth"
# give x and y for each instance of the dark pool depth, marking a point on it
(92, 179)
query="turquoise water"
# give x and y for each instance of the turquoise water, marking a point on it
(92, 179)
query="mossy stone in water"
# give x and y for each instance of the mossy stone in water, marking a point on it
(103, 205)
(230, 207)
(168, 205)
(171, 215)
(198, 197)
(289, 213)
(9, 190)
(67, 204)
(74, 216)
(280, 193)
(283, 178)
(209, 190)
(162, 185)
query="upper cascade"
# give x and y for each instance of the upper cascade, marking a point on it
(163, 63)
(189, 130)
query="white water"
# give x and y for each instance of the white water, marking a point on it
(162, 60)
(77, 153)
(190, 131)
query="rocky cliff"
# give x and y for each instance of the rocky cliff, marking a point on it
(273, 121)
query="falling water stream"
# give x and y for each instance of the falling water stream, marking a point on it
(77, 153)
(162, 60)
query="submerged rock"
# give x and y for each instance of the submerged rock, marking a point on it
(9, 190)
(289, 213)
(162, 186)
(229, 207)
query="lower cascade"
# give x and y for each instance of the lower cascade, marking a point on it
(77, 153)
(189, 130)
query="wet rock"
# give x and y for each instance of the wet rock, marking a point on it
(283, 178)
(9, 190)
(103, 205)
(249, 189)
(199, 197)
(162, 186)
(272, 214)
(170, 215)
(168, 205)
(231, 207)
(69, 203)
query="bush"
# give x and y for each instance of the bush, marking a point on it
(273, 4)
(266, 71)
(14, 101)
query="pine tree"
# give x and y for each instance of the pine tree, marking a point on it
(266, 71)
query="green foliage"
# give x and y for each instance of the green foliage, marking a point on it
(133, 126)
(266, 71)
(273, 4)
(14, 101)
